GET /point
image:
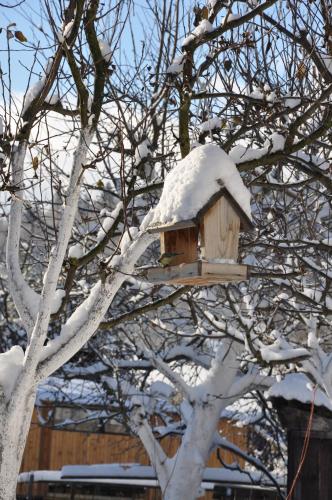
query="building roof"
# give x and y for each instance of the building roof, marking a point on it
(197, 182)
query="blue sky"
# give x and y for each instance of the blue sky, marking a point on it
(30, 19)
(22, 55)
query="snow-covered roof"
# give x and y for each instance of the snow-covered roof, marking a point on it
(143, 475)
(297, 387)
(194, 181)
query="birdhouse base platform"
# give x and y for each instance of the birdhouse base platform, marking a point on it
(198, 273)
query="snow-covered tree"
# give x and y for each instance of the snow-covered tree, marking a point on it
(84, 158)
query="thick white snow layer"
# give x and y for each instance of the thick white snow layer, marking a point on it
(75, 251)
(204, 27)
(298, 387)
(10, 366)
(194, 180)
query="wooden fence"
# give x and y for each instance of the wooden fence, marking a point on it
(49, 449)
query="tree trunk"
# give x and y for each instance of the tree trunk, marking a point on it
(187, 469)
(15, 423)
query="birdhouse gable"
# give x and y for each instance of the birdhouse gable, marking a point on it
(245, 222)
(194, 184)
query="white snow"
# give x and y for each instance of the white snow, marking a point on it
(142, 151)
(76, 321)
(192, 183)
(281, 350)
(132, 470)
(10, 366)
(108, 222)
(57, 300)
(53, 98)
(292, 102)
(127, 238)
(233, 17)
(176, 67)
(277, 142)
(32, 93)
(75, 251)
(1, 126)
(257, 93)
(62, 35)
(210, 124)
(67, 29)
(204, 27)
(105, 50)
(298, 387)
(273, 143)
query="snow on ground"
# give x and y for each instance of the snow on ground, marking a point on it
(194, 180)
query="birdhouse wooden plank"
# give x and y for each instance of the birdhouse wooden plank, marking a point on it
(182, 242)
(198, 273)
(220, 231)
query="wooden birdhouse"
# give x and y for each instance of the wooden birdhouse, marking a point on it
(203, 208)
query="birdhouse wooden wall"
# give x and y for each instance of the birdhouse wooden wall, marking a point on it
(219, 231)
(181, 241)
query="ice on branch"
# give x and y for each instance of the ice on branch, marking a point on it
(105, 50)
(10, 366)
(296, 386)
(194, 181)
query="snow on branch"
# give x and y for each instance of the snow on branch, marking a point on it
(86, 318)
(26, 300)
